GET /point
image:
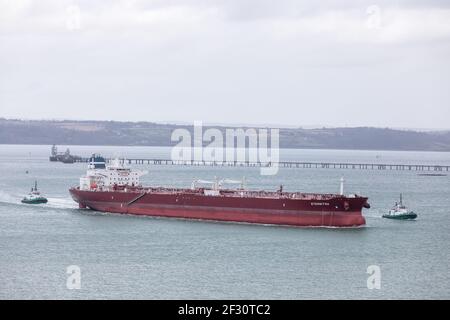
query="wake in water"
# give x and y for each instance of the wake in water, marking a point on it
(8, 198)
(56, 203)
(374, 214)
(61, 203)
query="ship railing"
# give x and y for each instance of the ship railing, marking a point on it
(279, 195)
(167, 190)
(229, 193)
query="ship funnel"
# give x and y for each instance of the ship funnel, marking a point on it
(342, 186)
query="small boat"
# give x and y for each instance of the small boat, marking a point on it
(34, 197)
(400, 212)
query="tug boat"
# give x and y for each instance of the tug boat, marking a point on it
(400, 212)
(34, 197)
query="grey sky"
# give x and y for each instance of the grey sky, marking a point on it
(332, 63)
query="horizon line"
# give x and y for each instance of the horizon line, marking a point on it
(237, 124)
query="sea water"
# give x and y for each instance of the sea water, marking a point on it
(127, 257)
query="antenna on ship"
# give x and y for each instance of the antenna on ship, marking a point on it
(342, 186)
(216, 184)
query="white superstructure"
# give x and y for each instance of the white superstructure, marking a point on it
(104, 176)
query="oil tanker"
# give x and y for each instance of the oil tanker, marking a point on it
(116, 188)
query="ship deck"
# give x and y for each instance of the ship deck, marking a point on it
(226, 193)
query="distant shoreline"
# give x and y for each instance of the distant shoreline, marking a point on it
(146, 134)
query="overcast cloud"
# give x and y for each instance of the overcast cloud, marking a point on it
(331, 63)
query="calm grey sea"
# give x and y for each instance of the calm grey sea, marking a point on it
(148, 258)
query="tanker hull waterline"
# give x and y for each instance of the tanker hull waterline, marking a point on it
(248, 210)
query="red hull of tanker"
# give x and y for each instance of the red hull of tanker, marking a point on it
(305, 210)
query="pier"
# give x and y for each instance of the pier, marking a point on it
(289, 164)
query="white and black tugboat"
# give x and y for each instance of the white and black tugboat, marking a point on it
(400, 212)
(34, 197)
